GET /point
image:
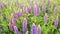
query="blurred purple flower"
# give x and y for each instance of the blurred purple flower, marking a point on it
(5, 5)
(18, 14)
(45, 18)
(27, 10)
(24, 26)
(16, 30)
(21, 5)
(43, 7)
(13, 21)
(34, 29)
(38, 29)
(49, 3)
(10, 26)
(56, 22)
(0, 5)
(31, 4)
(36, 10)
(49, 6)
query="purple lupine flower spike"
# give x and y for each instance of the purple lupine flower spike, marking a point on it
(26, 10)
(49, 3)
(36, 10)
(43, 7)
(34, 29)
(21, 5)
(45, 18)
(0, 5)
(13, 20)
(24, 26)
(5, 5)
(38, 29)
(18, 14)
(31, 4)
(49, 6)
(16, 30)
(56, 22)
(10, 26)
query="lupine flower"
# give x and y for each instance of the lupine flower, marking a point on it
(38, 1)
(49, 3)
(36, 10)
(18, 14)
(16, 30)
(49, 6)
(34, 29)
(21, 5)
(27, 10)
(10, 26)
(38, 29)
(0, 5)
(45, 18)
(13, 20)
(31, 4)
(24, 26)
(5, 5)
(43, 7)
(56, 22)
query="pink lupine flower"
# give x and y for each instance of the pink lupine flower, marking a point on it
(16, 30)
(13, 20)
(38, 29)
(27, 10)
(43, 7)
(18, 14)
(10, 26)
(45, 18)
(49, 4)
(5, 5)
(24, 26)
(56, 22)
(21, 5)
(0, 5)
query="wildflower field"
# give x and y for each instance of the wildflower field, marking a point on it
(29, 16)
